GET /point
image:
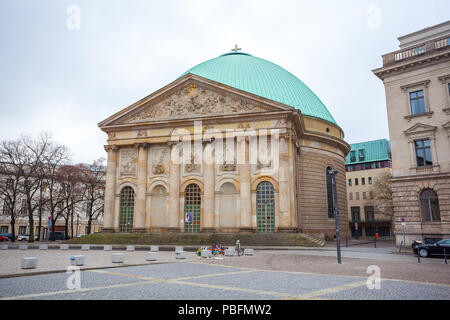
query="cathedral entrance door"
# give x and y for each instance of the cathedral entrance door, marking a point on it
(192, 208)
(265, 207)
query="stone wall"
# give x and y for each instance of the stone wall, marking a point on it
(312, 192)
(405, 193)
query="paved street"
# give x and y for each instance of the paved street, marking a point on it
(307, 274)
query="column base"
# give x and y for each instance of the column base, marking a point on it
(108, 230)
(287, 230)
(208, 230)
(246, 230)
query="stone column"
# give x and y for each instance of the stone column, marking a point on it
(244, 171)
(141, 181)
(110, 188)
(284, 194)
(412, 151)
(208, 162)
(434, 155)
(174, 189)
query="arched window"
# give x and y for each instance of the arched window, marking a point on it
(429, 205)
(126, 209)
(192, 208)
(265, 207)
(330, 192)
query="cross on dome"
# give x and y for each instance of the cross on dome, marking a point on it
(236, 49)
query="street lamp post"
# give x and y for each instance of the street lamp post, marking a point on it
(336, 215)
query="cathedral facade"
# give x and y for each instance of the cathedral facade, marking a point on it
(235, 144)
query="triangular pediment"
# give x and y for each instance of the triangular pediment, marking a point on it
(191, 97)
(419, 128)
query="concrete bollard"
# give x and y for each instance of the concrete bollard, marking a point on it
(64, 247)
(85, 247)
(178, 249)
(23, 247)
(29, 263)
(77, 260)
(107, 248)
(43, 247)
(248, 252)
(4, 247)
(229, 252)
(118, 258)
(154, 248)
(152, 256)
(180, 255)
(131, 248)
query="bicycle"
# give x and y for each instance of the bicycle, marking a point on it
(239, 249)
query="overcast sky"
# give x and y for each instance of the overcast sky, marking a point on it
(64, 79)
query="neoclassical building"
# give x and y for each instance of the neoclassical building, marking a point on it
(235, 144)
(417, 85)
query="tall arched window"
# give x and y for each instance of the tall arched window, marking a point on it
(429, 205)
(126, 209)
(192, 208)
(330, 192)
(265, 207)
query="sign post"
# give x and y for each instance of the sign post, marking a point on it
(336, 215)
(403, 231)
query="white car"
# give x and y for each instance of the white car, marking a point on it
(25, 237)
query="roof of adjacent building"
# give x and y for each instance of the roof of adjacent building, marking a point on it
(377, 150)
(263, 78)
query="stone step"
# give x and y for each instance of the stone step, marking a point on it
(202, 239)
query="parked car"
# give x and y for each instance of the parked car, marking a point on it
(25, 237)
(425, 241)
(3, 238)
(434, 249)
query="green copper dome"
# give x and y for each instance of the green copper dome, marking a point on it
(263, 78)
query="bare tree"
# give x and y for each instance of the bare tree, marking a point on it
(94, 190)
(70, 192)
(383, 195)
(24, 157)
(54, 158)
(9, 192)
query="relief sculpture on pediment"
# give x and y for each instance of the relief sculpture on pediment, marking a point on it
(193, 101)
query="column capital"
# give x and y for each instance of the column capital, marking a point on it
(141, 145)
(111, 147)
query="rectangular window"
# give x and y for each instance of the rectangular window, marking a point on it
(370, 180)
(5, 210)
(377, 165)
(4, 229)
(356, 216)
(371, 195)
(363, 181)
(357, 196)
(23, 208)
(22, 230)
(423, 153)
(417, 101)
(350, 195)
(352, 156)
(367, 166)
(364, 195)
(356, 181)
(361, 154)
(9, 184)
(349, 182)
(369, 213)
